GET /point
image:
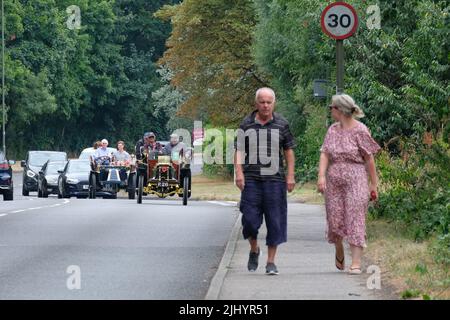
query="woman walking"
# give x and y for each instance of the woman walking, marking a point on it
(347, 177)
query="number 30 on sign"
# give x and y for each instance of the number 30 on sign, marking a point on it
(339, 20)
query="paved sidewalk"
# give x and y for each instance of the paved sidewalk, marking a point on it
(305, 263)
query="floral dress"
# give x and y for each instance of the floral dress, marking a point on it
(347, 187)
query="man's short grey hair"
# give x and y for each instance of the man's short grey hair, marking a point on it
(104, 141)
(258, 92)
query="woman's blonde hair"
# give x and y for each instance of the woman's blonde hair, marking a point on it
(347, 105)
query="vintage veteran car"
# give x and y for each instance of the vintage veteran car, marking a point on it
(110, 176)
(165, 175)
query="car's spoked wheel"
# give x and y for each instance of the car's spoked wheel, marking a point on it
(185, 190)
(140, 189)
(132, 186)
(92, 186)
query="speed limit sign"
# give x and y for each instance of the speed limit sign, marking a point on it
(339, 20)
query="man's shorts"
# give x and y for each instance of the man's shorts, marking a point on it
(268, 199)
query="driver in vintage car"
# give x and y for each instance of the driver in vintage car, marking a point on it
(101, 155)
(146, 144)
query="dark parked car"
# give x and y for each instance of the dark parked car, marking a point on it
(6, 182)
(48, 178)
(73, 181)
(33, 164)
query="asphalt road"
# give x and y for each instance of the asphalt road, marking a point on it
(110, 249)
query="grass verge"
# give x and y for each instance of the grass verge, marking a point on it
(406, 266)
(217, 188)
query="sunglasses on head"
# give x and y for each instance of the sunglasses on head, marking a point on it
(333, 107)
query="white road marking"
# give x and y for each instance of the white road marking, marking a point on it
(225, 204)
(42, 207)
(3, 214)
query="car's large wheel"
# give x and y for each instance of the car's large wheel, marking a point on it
(59, 189)
(64, 194)
(185, 190)
(39, 192)
(140, 189)
(44, 193)
(25, 192)
(8, 195)
(132, 186)
(92, 186)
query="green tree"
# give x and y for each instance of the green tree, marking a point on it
(82, 84)
(209, 53)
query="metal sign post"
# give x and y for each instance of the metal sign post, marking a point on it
(339, 66)
(339, 21)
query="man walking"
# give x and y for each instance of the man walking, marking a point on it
(263, 139)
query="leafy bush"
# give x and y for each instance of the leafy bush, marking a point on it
(415, 189)
(308, 145)
(217, 169)
(441, 249)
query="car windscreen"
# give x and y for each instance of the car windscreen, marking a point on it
(86, 154)
(79, 167)
(52, 168)
(39, 158)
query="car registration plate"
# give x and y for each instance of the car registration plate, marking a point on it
(163, 184)
(109, 188)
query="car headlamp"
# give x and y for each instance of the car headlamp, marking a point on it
(31, 174)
